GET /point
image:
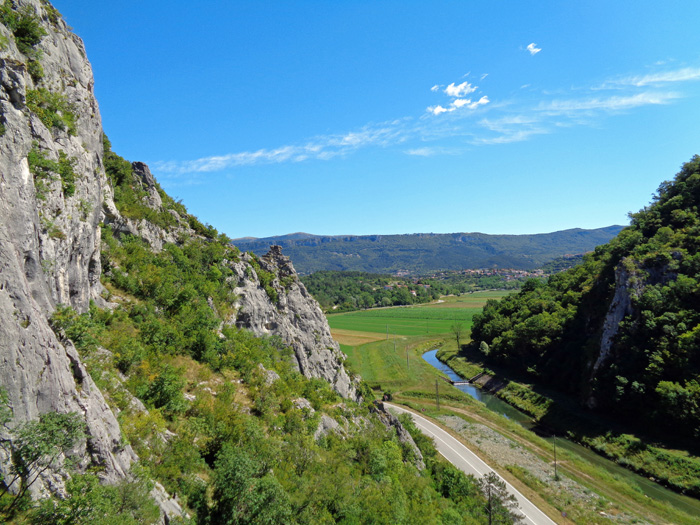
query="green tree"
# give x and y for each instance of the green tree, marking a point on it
(35, 446)
(89, 502)
(457, 330)
(245, 492)
(501, 505)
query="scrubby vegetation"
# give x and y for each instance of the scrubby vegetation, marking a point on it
(53, 109)
(130, 197)
(229, 441)
(27, 31)
(45, 169)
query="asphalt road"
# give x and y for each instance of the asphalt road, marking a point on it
(464, 459)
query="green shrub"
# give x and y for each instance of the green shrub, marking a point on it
(266, 278)
(88, 501)
(165, 392)
(65, 170)
(53, 109)
(35, 69)
(25, 26)
(43, 169)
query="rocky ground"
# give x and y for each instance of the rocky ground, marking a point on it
(582, 505)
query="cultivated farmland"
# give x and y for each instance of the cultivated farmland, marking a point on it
(432, 319)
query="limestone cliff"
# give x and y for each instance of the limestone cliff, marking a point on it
(284, 308)
(52, 186)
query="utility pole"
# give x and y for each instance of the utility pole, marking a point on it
(554, 439)
(437, 395)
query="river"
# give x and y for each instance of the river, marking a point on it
(648, 487)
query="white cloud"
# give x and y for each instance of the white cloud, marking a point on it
(422, 152)
(460, 90)
(323, 148)
(481, 102)
(533, 49)
(458, 104)
(435, 88)
(436, 110)
(482, 77)
(432, 151)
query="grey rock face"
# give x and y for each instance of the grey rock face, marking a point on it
(50, 249)
(296, 318)
(621, 306)
(326, 425)
(630, 282)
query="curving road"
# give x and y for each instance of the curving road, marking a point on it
(464, 459)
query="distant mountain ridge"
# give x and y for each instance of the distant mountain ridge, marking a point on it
(426, 252)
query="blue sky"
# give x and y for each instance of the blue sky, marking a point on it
(380, 117)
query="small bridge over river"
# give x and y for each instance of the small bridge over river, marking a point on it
(464, 381)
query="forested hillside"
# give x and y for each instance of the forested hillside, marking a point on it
(622, 330)
(423, 253)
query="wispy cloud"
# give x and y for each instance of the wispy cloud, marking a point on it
(428, 151)
(614, 103)
(323, 148)
(533, 49)
(664, 77)
(459, 122)
(512, 128)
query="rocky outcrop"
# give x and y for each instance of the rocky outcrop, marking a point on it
(287, 310)
(54, 195)
(627, 286)
(325, 425)
(154, 235)
(631, 279)
(390, 421)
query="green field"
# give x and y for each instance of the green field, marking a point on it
(432, 319)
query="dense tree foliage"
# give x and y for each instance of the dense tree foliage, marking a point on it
(555, 330)
(347, 291)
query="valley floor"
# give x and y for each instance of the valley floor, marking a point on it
(585, 492)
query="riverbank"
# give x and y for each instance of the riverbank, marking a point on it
(676, 469)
